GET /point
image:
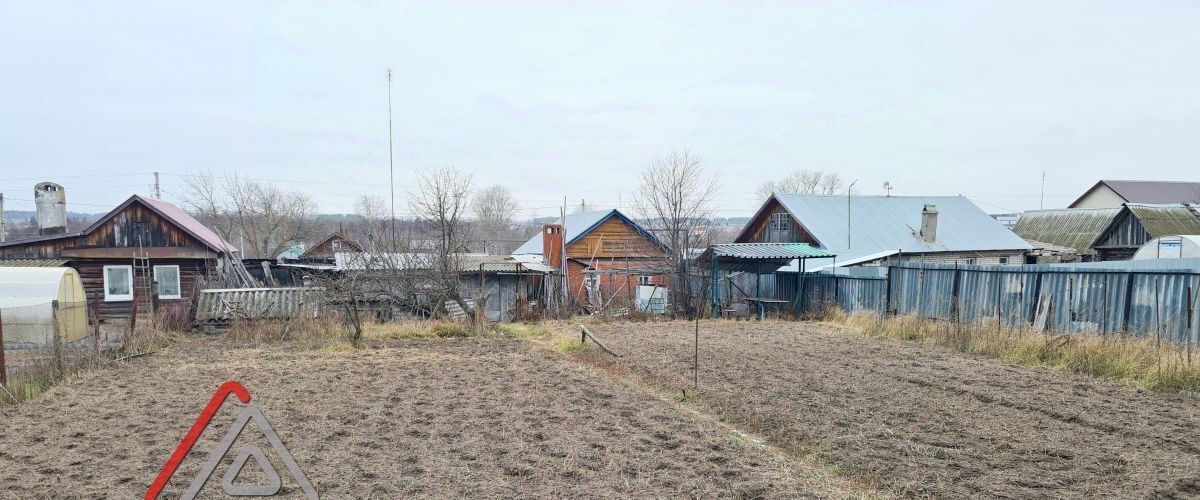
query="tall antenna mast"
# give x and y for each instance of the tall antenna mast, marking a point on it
(2, 228)
(391, 161)
(157, 192)
(1042, 203)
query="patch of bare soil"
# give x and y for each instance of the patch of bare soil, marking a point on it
(462, 418)
(924, 421)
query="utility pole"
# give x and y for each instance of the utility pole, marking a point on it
(566, 280)
(157, 192)
(2, 228)
(391, 161)
(848, 189)
(1042, 203)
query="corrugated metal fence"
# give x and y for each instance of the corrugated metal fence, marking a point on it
(1148, 302)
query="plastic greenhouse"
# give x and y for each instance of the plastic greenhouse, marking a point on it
(27, 299)
(1185, 246)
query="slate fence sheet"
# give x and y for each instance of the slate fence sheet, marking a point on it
(1137, 301)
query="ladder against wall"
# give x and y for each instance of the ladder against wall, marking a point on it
(143, 283)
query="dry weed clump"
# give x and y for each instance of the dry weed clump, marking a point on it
(42, 369)
(1138, 361)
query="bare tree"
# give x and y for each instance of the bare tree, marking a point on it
(259, 217)
(675, 198)
(372, 229)
(495, 207)
(804, 182)
(440, 205)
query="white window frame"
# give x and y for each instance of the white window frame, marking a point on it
(645, 280)
(178, 283)
(118, 297)
(1003, 260)
(781, 221)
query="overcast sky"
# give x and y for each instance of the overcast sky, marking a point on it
(939, 98)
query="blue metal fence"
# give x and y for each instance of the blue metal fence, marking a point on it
(1137, 300)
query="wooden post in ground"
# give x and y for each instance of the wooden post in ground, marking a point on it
(696, 356)
(96, 326)
(56, 351)
(3, 367)
(1188, 330)
(133, 312)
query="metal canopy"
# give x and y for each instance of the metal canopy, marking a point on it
(756, 258)
(767, 251)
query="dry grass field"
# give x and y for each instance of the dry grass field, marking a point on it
(921, 420)
(441, 418)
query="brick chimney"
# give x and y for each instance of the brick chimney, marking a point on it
(929, 216)
(552, 241)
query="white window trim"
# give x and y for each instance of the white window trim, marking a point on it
(780, 221)
(118, 298)
(178, 283)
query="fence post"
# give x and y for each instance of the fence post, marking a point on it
(1129, 278)
(1188, 330)
(96, 326)
(56, 351)
(887, 292)
(3, 367)
(133, 312)
(1037, 297)
(955, 306)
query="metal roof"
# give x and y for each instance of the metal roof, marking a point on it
(578, 225)
(768, 251)
(1165, 220)
(33, 262)
(362, 261)
(166, 210)
(878, 223)
(182, 219)
(1075, 228)
(1150, 191)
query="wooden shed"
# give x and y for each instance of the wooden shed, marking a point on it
(145, 251)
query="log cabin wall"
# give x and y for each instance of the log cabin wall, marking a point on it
(193, 273)
(762, 230)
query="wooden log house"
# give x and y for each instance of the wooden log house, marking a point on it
(144, 248)
(608, 255)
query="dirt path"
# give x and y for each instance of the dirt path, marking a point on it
(922, 420)
(450, 418)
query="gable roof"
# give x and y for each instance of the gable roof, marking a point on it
(182, 219)
(889, 222)
(334, 235)
(163, 209)
(1076, 228)
(1166, 220)
(1149, 191)
(579, 225)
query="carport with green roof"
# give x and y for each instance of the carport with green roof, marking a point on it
(754, 257)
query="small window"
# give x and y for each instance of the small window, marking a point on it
(645, 280)
(1004, 260)
(336, 244)
(168, 281)
(970, 261)
(781, 222)
(118, 283)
